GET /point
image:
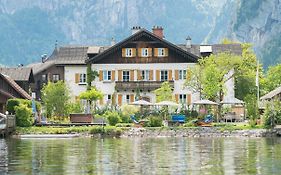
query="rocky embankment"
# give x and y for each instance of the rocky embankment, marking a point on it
(199, 132)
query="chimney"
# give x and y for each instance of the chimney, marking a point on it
(112, 43)
(158, 31)
(188, 42)
(135, 29)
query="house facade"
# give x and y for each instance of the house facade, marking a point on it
(135, 67)
(131, 69)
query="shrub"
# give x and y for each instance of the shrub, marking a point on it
(124, 125)
(128, 110)
(74, 108)
(155, 121)
(12, 103)
(23, 116)
(112, 117)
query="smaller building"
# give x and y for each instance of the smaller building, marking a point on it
(23, 76)
(10, 89)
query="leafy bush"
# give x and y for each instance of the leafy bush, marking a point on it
(272, 114)
(113, 117)
(128, 110)
(23, 116)
(13, 102)
(74, 108)
(252, 108)
(155, 121)
(124, 125)
(191, 123)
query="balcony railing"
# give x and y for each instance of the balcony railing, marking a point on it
(141, 85)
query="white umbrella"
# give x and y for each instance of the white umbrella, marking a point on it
(232, 101)
(141, 102)
(205, 102)
(166, 103)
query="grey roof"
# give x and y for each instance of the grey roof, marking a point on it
(18, 73)
(216, 48)
(38, 67)
(69, 55)
(16, 87)
(271, 94)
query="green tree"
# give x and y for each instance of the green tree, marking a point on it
(91, 76)
(55, 97)
(272, 78)
(195, 80)
(245, 81)
(165, 92)
(91, 96)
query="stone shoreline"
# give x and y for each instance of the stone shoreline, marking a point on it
(199, 132)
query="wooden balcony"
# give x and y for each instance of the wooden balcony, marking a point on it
(141, 85)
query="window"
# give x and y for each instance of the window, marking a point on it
(144, 52)
(126, 99)
(126, 75)
(82, 78)
(108, 98)
(182, 98)
(164, 75)
(44, 77)
(56, 77)
(106, 75)
(182, 74)
(129, 52)
(161, 52)
(145, 75)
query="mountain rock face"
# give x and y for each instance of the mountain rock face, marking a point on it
(30, 28)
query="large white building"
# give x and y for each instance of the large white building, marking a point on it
(134, 67)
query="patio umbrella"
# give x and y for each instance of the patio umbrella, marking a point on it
(166, 103)
(205, 102)
(232, 101)
(141, 102)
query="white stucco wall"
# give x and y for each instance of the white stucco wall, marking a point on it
(108, 87)
(69, 77)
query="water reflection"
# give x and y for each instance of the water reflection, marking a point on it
(141, 156)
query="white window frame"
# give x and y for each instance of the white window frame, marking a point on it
(108, 98)
(144, 52)
(107, 75)
(161, 52)
(165, 76)
(82, 78)
(182, 74)
(44, 77)
(127, 76)
(129, 52)
(56, 77)
(182, 98)
(145, 75)
(126, 99)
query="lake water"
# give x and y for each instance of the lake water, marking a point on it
(141, 156)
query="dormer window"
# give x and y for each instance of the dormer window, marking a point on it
(144, 52)
(129, 52)
(160, 52)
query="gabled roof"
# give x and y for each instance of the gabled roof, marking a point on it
(271, 94)
(15, 86)
(18, 73)
(69, 55)
(38, 67)
(140, 33)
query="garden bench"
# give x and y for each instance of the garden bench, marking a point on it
(178, 118)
